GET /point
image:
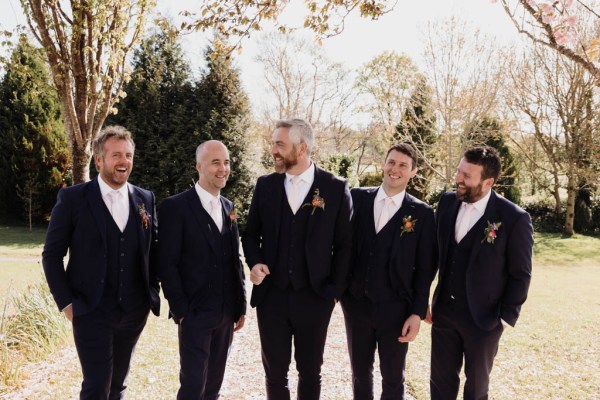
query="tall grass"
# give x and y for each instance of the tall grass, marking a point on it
(33, 329)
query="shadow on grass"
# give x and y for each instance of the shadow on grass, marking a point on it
(21, 238)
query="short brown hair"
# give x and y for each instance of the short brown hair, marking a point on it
(115, 131)
(488, 158)
(406, 149)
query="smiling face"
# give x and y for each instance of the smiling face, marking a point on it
(116, 162)
(213, 167)
(469, 185)
(285, 153)
(397, 171)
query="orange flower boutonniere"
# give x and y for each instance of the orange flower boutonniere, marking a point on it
(408, 224)
(233, 215)
(317, 202)
(144, 216)
(491, 232)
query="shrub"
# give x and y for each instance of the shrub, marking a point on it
(33, 330)
(544, 218)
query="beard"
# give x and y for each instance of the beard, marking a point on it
(285, 163)
(470, 194)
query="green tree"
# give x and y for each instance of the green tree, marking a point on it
(36, 159)
(417, 127)
(156, 111)
(489, 132)
(223, 113)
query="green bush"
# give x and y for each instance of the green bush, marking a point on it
(544, 218)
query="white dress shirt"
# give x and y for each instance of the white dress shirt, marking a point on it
(124, 198)
(305, 181)
(380, 201)
(476, 214)
(205, 199)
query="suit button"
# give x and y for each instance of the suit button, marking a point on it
(101, 280)
(122, 239)
(122, 254)
(290, 271)
(120, 299)
(122, 270)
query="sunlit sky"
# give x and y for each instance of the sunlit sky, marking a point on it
(362, 39)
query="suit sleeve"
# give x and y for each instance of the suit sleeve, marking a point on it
(58, 240)
(342, 243)
(520, 249)
(169, 253)
(426, 264)
(252, 236)
(154, 282)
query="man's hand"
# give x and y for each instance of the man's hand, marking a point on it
(429, 317)
(68, 310)
(240, 323)
(258, 273)
(410, 330)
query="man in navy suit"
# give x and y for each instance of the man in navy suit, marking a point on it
(201, 273)
(297, 244)
(485, 247)
(391, 272)
(110, 283)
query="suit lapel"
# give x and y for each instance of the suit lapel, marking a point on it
(446, 227)
(202, 217)
(135, 203)
(95, 201)
(312, 217)
(232, 223)
(490, 214)
(406, 209)
(279, 197)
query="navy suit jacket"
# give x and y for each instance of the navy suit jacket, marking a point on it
(78, 225)
(328, 240)
(188, 254)
(412, 263)
(498, 274)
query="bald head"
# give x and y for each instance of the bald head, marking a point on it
(212, 164)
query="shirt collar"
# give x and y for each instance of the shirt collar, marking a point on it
(396, 199)
(105, 189)
(481, 204)
(205, 197)
(307, 176)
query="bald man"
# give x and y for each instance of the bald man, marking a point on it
(201, 273)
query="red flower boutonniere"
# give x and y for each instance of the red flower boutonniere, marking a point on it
(491, 232)
(317, 202)
(233, 215)
(408, 224)
(144, 216)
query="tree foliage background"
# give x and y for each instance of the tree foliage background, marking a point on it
(35, 162)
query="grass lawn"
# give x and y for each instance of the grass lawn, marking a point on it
(20, 257)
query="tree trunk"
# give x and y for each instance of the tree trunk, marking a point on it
(81, 164)
(570, 214)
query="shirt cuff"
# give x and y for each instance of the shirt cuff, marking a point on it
(505, 324)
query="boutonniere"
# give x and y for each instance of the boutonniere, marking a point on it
(408, 224)
(233, 215)
(317, 202)
(144, 216)
(491, 232)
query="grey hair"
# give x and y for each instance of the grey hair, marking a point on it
(300, 132)
(115, 131)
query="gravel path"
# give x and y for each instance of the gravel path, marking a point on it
(155, 367)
